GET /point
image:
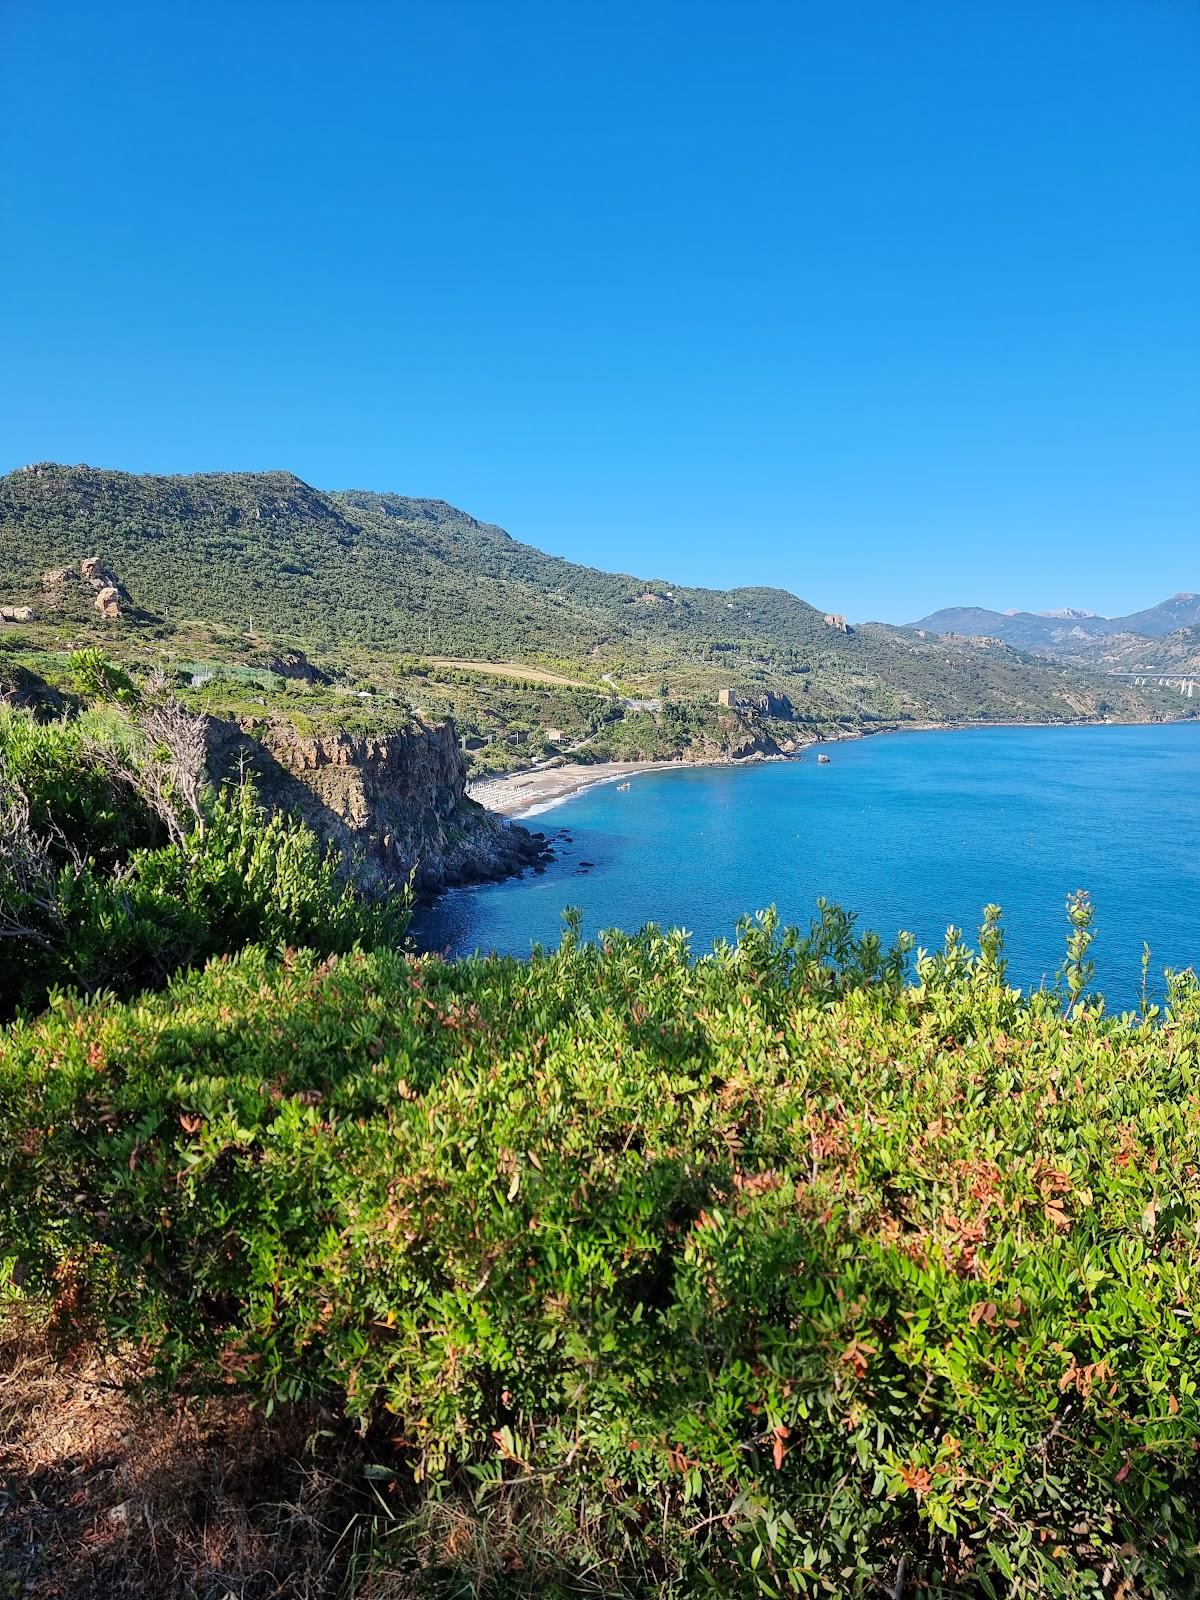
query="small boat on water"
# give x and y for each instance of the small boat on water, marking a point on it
(823, 760)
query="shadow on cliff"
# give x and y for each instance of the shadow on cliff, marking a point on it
(394, 807)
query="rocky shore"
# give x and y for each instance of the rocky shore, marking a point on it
(393, 805)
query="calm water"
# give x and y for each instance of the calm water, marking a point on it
(911, 830)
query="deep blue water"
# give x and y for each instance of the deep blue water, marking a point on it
(909, 830)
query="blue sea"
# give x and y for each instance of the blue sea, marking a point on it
(911, 831)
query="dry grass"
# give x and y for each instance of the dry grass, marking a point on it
(109, 1494)
(522, 1545)
(105, 1495)
(513, 669)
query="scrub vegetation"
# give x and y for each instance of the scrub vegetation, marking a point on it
(120, 864)
(803, 1267)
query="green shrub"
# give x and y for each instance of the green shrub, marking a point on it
(246, 877)
(69, 797)
(95, 677)
(766, 1273)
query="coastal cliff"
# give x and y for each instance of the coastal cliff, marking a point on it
(392, 804)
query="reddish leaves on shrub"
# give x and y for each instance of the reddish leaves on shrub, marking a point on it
(857, 1355)
(918, 1479)
(1084, 1379)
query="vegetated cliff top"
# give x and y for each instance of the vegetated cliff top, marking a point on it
(399, 574)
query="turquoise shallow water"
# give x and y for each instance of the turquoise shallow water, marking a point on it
(909, 830)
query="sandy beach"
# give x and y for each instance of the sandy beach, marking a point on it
(525, 794)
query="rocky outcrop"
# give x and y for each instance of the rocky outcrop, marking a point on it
(835, 619)
(17, 614)
(739, 737)
(769, 704)
(392, 804)
(294, 664)
(108, 602)
(752, 743)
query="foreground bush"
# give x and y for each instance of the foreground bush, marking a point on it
(248, 877)
(70, 800)
(765, 1273)
(120, 866)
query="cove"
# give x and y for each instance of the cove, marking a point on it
(909, 830)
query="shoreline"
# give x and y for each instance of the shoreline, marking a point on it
(531, 792)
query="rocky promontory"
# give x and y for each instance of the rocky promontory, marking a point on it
(394, 805)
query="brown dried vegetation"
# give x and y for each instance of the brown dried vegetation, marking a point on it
(106, 1494)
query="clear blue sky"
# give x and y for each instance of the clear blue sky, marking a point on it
(895, 303)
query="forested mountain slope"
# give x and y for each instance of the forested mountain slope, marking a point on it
(1180, 611)
(376, 568)
(391, 574)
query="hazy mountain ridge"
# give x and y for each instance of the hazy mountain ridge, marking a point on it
(1068, 627)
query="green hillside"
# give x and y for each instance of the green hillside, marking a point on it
(384, 575)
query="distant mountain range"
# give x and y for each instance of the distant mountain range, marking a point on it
(1163, 638)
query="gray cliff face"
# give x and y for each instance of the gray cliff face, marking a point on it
(392, 804)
